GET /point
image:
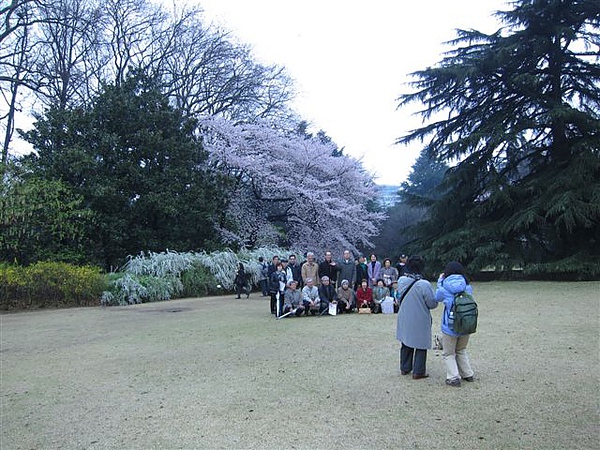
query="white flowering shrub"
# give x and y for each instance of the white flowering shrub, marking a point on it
(161, 276)
(160, 264)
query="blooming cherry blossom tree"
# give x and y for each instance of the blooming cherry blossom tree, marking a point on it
(292, 186)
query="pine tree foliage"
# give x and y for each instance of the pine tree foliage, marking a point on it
(423, 184)
(518, 113)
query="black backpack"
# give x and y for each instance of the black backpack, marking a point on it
(465, 312)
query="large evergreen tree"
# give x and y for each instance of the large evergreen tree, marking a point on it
(423, 183)
(517, 112)
(138, 165)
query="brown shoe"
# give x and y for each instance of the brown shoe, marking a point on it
(402, 372)
(418, 376)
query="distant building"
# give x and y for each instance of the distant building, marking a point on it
(388, 195)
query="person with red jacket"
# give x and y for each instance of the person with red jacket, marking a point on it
(364, 295)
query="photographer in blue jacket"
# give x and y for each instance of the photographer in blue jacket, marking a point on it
(453, 281)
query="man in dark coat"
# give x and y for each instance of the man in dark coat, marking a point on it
(362, 272)
(328, 268)
(347, 269)
(327, 294)
(296, 269)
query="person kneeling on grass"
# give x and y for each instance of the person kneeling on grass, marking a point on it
(346, 298)
(293, 299)
(327, 294)
(364, 295)
(380, 292)
(310, 297)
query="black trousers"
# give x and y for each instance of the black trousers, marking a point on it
(239, 288)
(413, 359)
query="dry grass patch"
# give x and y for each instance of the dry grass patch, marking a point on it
(222, 373)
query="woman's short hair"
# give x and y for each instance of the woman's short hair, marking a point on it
(415, 264)
(455, 268)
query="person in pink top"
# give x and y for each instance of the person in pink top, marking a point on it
(374, 271)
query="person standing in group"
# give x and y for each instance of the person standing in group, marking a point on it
(413, 328)
(273, 265)
(264, 276)
(454, 345)
(389, 274)
(241, 281)
(277, 284)
(347, 269)
(296, 270)
(310, 269)
(328, 268)
(401, 265)
(288, 273)
(362, 273)
(374, 269)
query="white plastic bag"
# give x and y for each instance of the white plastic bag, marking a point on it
(387, 305)
(333, 309)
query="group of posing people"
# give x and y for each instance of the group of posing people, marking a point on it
(309, 288)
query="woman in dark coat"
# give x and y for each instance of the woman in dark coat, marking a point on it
(414, 319)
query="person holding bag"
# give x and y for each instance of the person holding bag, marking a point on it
(454, 345)
(380, 293)
(413, 328)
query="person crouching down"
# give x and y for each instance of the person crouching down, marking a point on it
(310, 297)
(293, 299)
(380, 292)
(346, 298)
(327, 294)
(364, 295)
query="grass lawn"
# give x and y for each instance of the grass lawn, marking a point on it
(222, 373)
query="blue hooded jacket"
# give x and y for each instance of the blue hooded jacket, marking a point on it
(446, 290)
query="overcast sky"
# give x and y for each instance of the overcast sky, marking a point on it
(350, 61)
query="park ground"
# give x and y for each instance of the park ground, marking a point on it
(218, 372)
